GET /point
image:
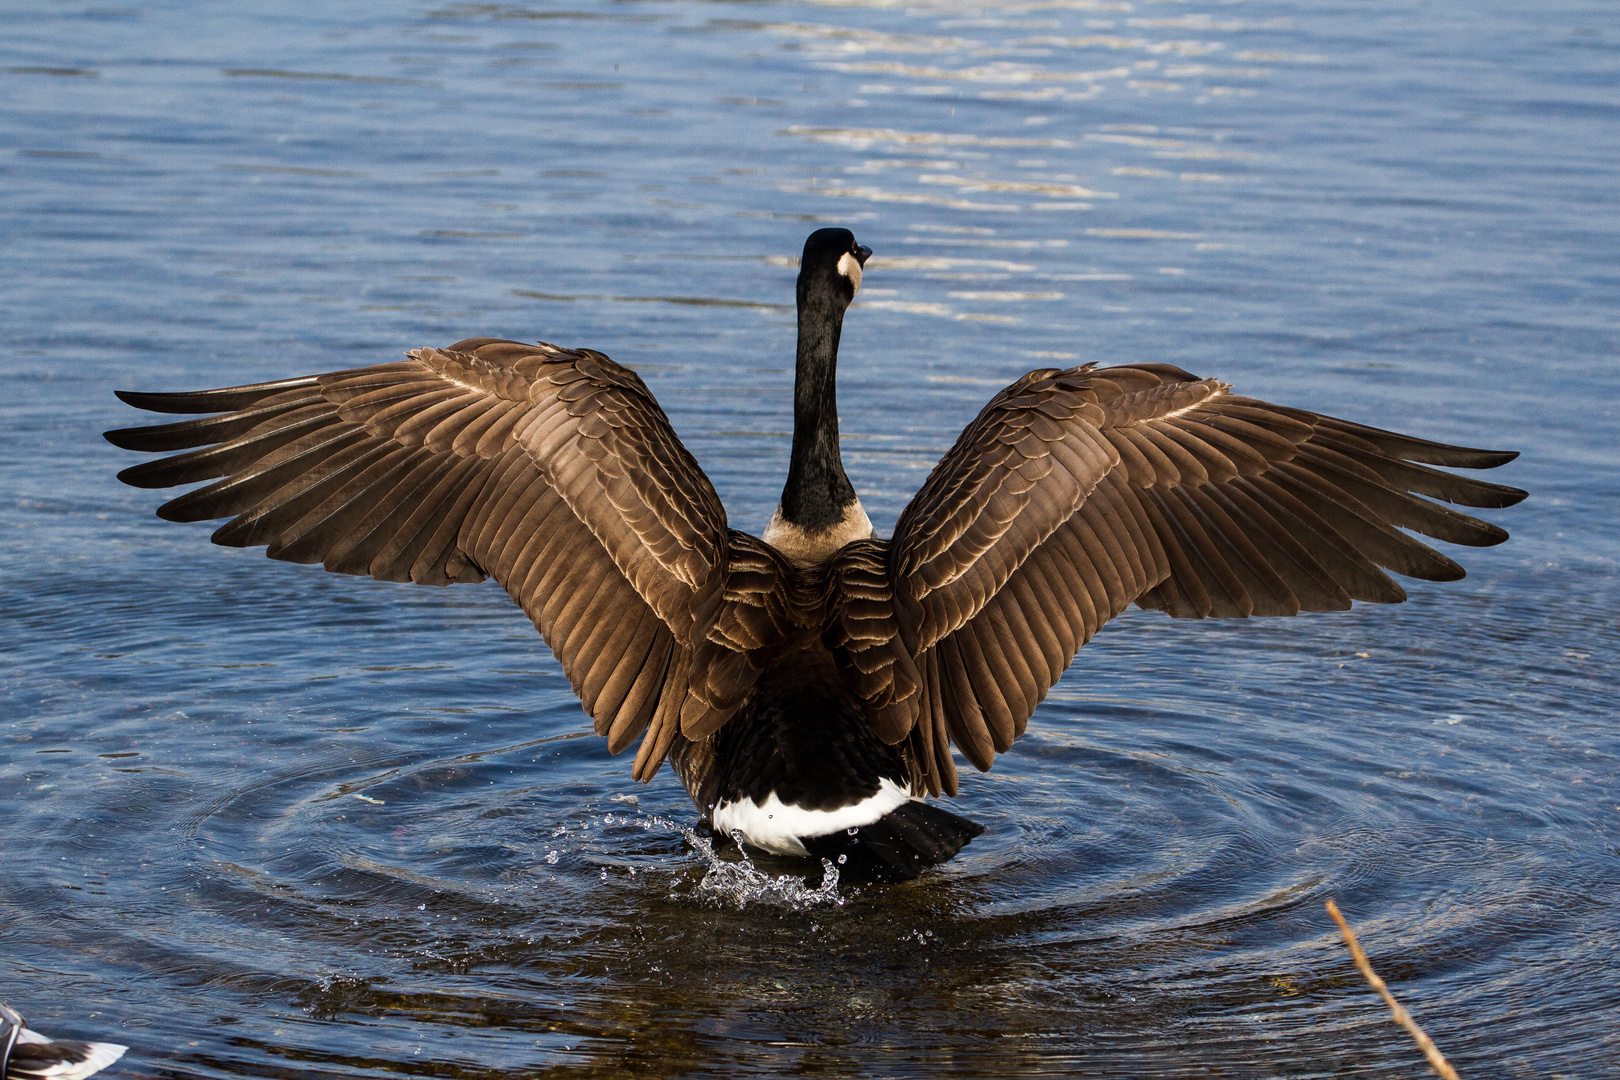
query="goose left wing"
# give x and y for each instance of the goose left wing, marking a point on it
(1076, 493)
(552, 470)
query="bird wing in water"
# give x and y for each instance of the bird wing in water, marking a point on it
(1076, 493)
(28, 1055)
(552, 470)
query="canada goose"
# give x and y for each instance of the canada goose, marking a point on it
(808, 684)
(28, 1055)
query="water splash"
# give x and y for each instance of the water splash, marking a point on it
(736, 881)
(740, 883)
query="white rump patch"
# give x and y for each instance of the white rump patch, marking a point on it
(777, 826)
(850, 267)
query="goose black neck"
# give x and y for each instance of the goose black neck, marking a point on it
(817, 491)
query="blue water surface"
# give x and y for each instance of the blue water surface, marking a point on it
(261, 821)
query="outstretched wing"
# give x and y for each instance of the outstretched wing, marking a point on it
(1077, 493)
(552, 470)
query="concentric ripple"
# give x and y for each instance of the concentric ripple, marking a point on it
(259, 821)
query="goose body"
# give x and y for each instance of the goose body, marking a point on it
(28, 1055)
(808, 685)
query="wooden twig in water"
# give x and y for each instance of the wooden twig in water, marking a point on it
(1437, 1060)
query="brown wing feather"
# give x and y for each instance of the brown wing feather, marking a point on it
(1077, 493)
(863, 633)
(552, 470)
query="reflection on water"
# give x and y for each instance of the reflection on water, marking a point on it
(263, 822)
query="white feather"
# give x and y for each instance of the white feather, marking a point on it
(98, 1056)
(777, 826)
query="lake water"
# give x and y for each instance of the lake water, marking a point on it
(261, 821)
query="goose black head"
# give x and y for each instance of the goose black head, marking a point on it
(831, 266)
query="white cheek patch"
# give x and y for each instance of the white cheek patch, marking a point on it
(850, 267)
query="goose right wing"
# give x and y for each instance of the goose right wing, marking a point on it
(1077, 493)
(552, 470)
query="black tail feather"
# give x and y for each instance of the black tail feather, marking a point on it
(898, 846)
